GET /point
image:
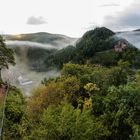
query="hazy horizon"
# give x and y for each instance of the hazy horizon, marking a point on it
(70, 18)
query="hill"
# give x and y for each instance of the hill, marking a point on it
(56, 40)
(99, 46)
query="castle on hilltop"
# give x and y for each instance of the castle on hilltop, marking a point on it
(122, 45)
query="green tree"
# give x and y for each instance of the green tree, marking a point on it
(14, 114)
(66, 123)
(6, 56)
(122, 112)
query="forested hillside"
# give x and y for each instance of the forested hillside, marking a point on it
(98, 46)
(96, 97)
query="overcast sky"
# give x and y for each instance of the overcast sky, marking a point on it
(68, 17)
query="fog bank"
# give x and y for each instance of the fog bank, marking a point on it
(58, 44)
(133, 37)
(20, 69)
(31, 44)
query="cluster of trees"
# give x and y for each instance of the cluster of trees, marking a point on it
(14, 114)
(92, 41)
(85, 102)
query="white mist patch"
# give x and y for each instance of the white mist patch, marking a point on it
(20, 70)
(132, 37)
(30, 44)
(59, 44)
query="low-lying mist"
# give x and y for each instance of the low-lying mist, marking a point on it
(21, 70)
(133, 37)
(31, 44)
(58, 44)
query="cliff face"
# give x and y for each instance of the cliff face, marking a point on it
(121, 46)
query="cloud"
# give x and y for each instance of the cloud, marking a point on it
(36, 20)
(127, 19)
(109, 5)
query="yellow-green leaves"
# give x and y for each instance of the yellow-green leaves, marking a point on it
(91, 87)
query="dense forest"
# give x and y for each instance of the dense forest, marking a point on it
(96, 97)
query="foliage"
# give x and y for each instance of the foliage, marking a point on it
(6, 56)
(94, 41)
(91, 87)
(14, 114)
(122, 111)
(67, 123)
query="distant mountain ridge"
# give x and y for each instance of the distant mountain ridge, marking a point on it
(44, 38)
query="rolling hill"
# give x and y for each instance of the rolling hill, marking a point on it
(41, 38)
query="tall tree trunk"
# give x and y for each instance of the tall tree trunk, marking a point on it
(0, 76)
